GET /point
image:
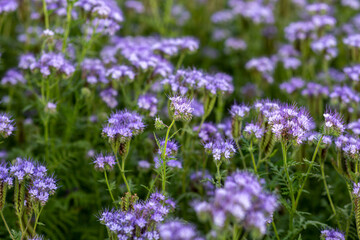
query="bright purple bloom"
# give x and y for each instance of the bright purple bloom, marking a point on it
(173, 46)
(353, 73)
(137, 6)
(104, 162)
(7, 6)
(220, 149)
(323, 21)
(265, 66)
(325, 45)
(254, 130)
(318, 8)
(352, 40)
(122, 126)
(235, 44)
(27, 61)
(180, 108)
(313, 89)
(333, 123)
(41, 188)
(239, 111)
(345, 95)
(143, 164)
(54, 62)
(6, 125)
(222, 16)
(208, 132)
(331, 234)
(5, 177)
(140, 221)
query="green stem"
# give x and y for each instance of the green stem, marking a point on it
(107, 183)
(46, 15)
(36, 220)
(286, 168)
(218, 174)
(328, 192)
(241, 154)
(163, 158)
(275, 230)
(252, 156)
(68, 24)
(6, 225)
(308, 172)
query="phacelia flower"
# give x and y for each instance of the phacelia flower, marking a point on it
(50, 108)
(177, 230)
(265, 66)
(252, 129)
(180, 108)
(325, 45)
(352, 40)
(314, 90)
(148, 103)
(331, 234)
(109, 97)
(122, 126)
(235, 44)
(6, 125)
(104, 162)
(121, 73)
(220, 149)
(294, 84)
(353, 73)
(41, 188)
(334, 123)
(27, 61)
(137, 6)
(243, 201)
(239, 111)
(140, 219)
(13, 77)
(94, 71)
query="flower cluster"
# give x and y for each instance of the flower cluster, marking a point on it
(13, 77)
(333, 123)
(177, 230)
(138, 220)
(104, 162)
(220, 149)
(331, 234)
(6, 125)
(180, 108)
(109, 97)
(239, 111)
(252, 129)
(242, 201)
(290, 123)
(122, 126)
(148, 103)
(54, 63)
(94, 71)
(293, 85)
(263, 66)
(170, 154)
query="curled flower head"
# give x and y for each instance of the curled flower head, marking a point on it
(41, 188)
(122, 126)
(333, 123)
(104, 162)
(332, 234)
(239, 111)
(252, 129)
(6, 125)
(180, 108)
(220, 149)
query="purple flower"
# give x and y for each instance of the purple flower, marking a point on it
(254, 130)
(314, 90)
(235, 44)
(143, 164)
(299, 31)
(334, 123)
(354, 127)
(54, 62)
(104, 162)
(323, 21)
(291, 63)
(290, 123)
(140, 220)
(325, 45)
(180, 108)
(331, 234)
(148, 103)
(13, 77)
(50, 108)
(137, 6)
(318, 8)
(239, 111)
(344, 95)
(121, 73)
(208, 132)
(94, 71)
(122, 126)
(177, 230)
(5, 177)
(242, 200)
(353, 4)
(356, 189)
(7, 6)
(27, 61)
(109, 97)
(41, 188)
(220, 149)
(352, 40)
(353, 73)
(222, 16)
(6, 125)
(173, 46)
(293, 85)
(265, 66)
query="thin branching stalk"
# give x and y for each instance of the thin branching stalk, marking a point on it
(163, 158)
(6, 225)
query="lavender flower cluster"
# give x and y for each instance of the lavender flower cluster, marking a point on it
(140, 219)
(242, 201)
